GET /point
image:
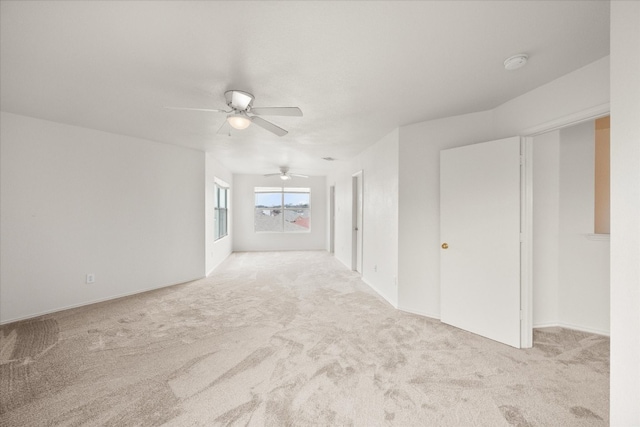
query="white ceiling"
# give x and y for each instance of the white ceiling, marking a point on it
(357, 70)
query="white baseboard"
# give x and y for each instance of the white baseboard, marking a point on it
(394, 305)
(573, 328)
(546, 325)
(343, 263)
(419, 312)
(82, 304)
(218, 264)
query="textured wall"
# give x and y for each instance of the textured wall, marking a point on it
(77, 201)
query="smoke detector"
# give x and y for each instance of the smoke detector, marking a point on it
(515, 62)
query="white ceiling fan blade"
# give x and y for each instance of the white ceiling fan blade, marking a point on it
(197, 109)
(298, 175)
(225, 129)
(268, 126)
(277, 111)
(273, 174)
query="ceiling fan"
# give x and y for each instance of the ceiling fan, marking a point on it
(285, 175)
(241, 104)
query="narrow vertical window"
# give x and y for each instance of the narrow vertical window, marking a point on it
(221, 211)
(602, 176)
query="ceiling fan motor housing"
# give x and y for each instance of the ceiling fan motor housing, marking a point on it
(239, 100)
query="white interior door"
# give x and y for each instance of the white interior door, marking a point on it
(358, 202)
(480, 217)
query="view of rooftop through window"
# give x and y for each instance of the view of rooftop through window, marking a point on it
(282, 209)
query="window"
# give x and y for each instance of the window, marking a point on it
(282, 209)
(221, 211)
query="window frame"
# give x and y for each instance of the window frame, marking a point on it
(283, 208)
(220, 212)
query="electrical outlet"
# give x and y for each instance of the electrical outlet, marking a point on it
(91, 278)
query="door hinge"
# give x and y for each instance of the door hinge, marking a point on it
(521, 159)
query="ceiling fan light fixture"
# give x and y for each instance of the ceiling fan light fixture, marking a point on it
(242, 114)
(285, 177)
(238, 121)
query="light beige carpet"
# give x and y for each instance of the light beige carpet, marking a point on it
(287, 339)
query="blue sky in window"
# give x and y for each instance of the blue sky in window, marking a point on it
(274, 200)
(296, 199)
(271, 200)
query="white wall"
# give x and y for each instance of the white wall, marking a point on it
(379, 166)
(625, 213)
(216, 250)
(243, 201)
(77, 201)
(583, 291)
(580, 90)
(546, 228)
(419, 204)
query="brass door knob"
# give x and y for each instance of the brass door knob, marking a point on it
(445, 246)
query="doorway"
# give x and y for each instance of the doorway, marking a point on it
(571, 259)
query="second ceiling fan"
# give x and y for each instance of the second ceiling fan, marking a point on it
(285, 175)
(243, 113)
